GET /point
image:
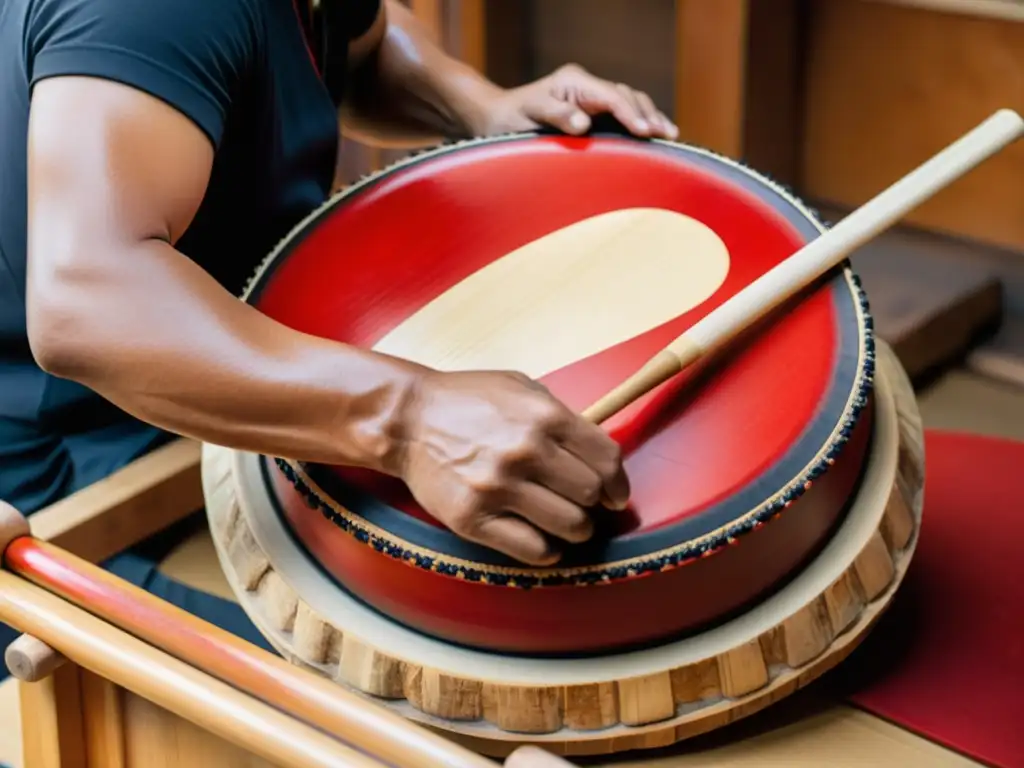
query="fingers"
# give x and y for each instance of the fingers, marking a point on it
(597, 450)
(568, 475)
(572, 86)
(515, 537)
(600, 96)
(553, 513)
(564, 115)
(660, 125)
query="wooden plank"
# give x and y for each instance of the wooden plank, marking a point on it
(509, 57)
(1009, 10)
(53, 734)
(710, 73)
(1002, 358)
(130, 505)
(876, 107)
(932, 310)
(620, 41)
(465, 32)
(933, 299)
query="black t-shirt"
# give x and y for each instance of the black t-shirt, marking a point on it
(242, 70)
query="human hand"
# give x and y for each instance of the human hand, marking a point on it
(534, 757)
(502, 462)
(567, 99)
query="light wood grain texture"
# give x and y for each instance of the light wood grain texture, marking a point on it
(1008, 10)
(585, 706)
(155, 738)
(12, 525)
(53, 731)
(628, 261)
(132, 664)
(186, 639)
(145, 497)
(10, 724)
(31, 660)
(875, 105)
(710, 73)
(106, 732)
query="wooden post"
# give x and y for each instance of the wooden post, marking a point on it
(710, 69)
(738, 82)
(52, 725)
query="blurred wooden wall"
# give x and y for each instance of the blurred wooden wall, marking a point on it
(835, 98)
(459, 26)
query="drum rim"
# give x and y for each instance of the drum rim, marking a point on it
(305, 576)
(494, 568)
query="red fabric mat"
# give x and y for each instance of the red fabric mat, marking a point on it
(947, 661)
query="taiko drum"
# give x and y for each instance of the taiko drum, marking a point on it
(740, 471)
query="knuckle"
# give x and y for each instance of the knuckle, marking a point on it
(572, 68)
(590, 491)
(523, 452)
(485, 485)
(610, 463)
(548, 414)
(464, 518)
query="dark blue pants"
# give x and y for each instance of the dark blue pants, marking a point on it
(38, 468)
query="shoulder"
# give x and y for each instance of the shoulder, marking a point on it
(191, 53)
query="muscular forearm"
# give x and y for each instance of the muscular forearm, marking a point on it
(410, 76)
(158, 337)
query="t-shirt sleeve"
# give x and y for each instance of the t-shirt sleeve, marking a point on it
(360, 16)
(192, 54)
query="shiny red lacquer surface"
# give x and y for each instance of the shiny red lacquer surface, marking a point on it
(574, 619)
(389, 250)
(398, 243)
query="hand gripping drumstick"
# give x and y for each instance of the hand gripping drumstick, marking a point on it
(813, 260)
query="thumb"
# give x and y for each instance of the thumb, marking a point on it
(560, 114)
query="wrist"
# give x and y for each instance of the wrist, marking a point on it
(372, 427)
(472, 100)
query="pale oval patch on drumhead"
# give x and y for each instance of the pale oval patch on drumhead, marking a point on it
(568, 295)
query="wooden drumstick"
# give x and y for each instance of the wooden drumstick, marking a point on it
(813, 260)
(384, 735)
(183, 689)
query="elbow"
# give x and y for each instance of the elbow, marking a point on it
(57, 340)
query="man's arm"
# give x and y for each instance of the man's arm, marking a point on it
(401, 74)
(404, 83)
(113, 305)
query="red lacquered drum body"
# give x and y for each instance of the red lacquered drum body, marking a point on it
(739, 473)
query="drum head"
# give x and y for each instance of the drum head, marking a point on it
(638, 240)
